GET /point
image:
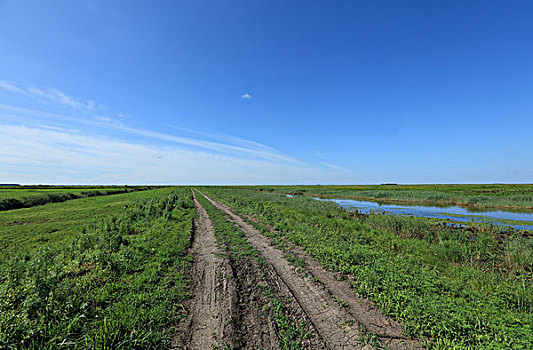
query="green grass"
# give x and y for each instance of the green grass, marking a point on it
(32, 192)
(108, 271)
(25, 197)
(29, 228)
(480, 196)
(113, 277)
(461, 289)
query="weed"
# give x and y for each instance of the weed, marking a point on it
(341, 302)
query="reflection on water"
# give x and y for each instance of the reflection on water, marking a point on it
(454, 213)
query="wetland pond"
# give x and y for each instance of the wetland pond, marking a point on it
(522, 220)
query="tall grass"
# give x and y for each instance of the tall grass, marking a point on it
(117, 284)
(490, 196)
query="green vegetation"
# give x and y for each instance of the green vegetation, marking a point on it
(25, 197)
(111, 276)
(30, 228)
(464, 289)
(291, 333)
(109, 271)
(480, 196)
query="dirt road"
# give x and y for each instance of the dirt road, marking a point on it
(213, 295)
(226, 309)
(341, 319)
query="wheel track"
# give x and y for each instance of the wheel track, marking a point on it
(334, 324)
(367, 315)
(214, 296)
(315, 299)
(226, 307)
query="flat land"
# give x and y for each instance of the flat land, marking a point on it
(481, 196)
(19, 193)
(249, 268)
(30, 196)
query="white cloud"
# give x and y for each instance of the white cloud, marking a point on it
(333, 166)
(246, 96)
(226, 138)
(37, 155)
(10, 87)
(54, 95)
(228, 144)
(58, 97)
(231, 145)
(43, 147)
(210, 145)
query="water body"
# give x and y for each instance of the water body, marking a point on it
(521, 220)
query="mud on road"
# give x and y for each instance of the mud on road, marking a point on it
(341, 325)
(228, 309)
(213, 295)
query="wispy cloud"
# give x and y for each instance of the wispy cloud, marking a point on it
(211, 142)
(38, 155)
(225, 138)
(246, 96)
(59, 97)
(52, 95)
(41, 146)
(233, 146)
(10, 87)
(333, 166)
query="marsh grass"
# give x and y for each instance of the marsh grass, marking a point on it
(445, 284)
(480, 196)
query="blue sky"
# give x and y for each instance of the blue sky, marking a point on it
(244, 92)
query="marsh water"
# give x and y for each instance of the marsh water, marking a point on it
(516, 219)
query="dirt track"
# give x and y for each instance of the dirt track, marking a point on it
(227, 308)
(340, 327)
(213, 295)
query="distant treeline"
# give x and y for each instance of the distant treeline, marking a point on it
(31, 201)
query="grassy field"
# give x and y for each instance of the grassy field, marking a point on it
(489, 196)
(111, 271)
(457, 288)
(29, 228)
(100, 272)
(19, 193)
(30, 196)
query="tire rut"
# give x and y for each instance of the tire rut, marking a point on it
(214, 296)
(388, 330)
(335, 325)
(227, 307)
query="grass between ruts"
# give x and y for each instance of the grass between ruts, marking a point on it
(291, 334)
(436, 281)
(115, 280)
